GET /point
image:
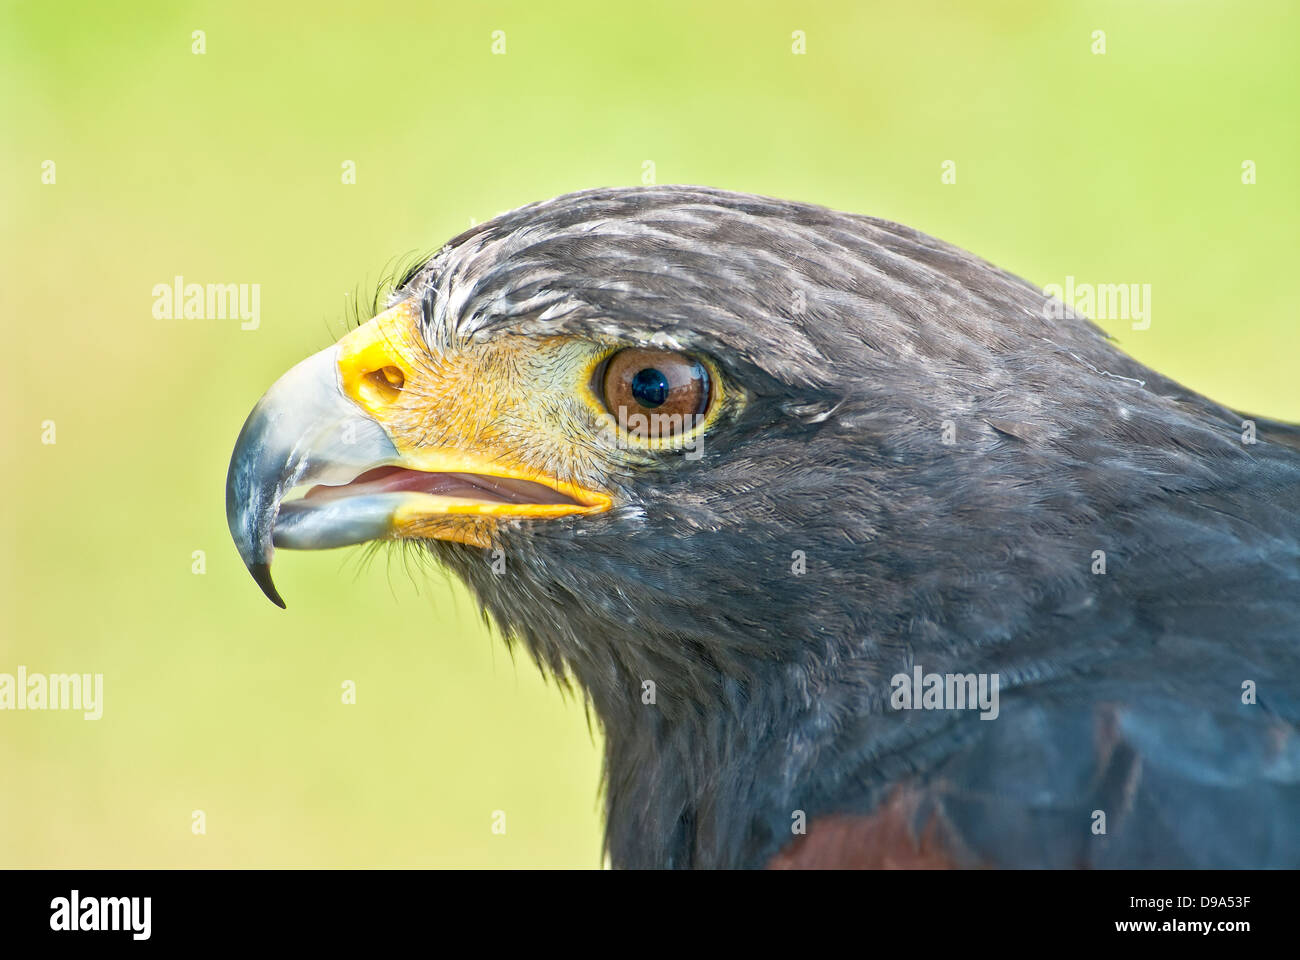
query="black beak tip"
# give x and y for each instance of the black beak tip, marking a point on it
(262, 574)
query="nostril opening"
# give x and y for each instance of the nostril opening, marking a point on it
(385, 383)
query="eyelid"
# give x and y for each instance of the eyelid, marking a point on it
(596, 383)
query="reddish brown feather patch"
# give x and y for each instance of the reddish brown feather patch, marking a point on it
(883, 840)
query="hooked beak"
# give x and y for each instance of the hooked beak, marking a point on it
(338, 422)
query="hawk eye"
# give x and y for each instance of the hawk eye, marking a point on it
(655, 394)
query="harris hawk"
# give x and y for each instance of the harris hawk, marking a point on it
(763, 478)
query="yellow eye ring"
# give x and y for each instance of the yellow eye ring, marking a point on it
(651, 398)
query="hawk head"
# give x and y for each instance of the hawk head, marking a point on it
(718, 459)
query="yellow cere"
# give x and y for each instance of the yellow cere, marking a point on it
(509, 409)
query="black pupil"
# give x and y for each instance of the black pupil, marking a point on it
(650, 387)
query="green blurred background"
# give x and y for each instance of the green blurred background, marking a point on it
(226, 168)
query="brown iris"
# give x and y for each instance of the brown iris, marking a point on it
(655, 394)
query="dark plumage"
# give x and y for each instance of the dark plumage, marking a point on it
(854, 341)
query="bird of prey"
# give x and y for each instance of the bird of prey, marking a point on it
(863, 552)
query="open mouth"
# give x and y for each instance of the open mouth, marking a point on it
(468, 489)
(392, 502)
